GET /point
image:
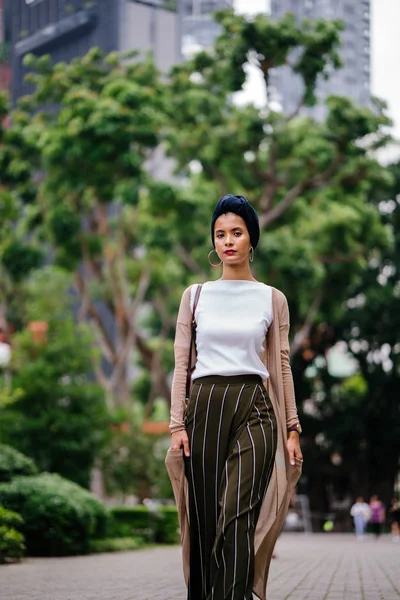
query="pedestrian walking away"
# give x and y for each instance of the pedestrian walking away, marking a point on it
(377, 515)
(235, 453)
(361, 513)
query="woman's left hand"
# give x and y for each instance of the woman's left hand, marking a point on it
(293, 446)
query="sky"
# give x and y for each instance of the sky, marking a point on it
(385, 51)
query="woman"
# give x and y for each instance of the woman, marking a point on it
(361, 513)
(239, 435)
(378, 515)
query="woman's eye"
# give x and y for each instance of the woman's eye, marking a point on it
(220, 235)
(238, 233)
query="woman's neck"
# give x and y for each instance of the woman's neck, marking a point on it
(241, 273)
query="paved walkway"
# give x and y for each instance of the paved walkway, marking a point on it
(317, 567)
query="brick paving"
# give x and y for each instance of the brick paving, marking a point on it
(307, 567)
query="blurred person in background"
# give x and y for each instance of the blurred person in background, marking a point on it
(377, 515)
(394, 511)
(238, 439)
(361, 513)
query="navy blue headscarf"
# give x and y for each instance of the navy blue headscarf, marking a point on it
(242, 207)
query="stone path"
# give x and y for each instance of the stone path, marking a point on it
(307, 567)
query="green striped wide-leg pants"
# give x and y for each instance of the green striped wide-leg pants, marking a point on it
(232, 433)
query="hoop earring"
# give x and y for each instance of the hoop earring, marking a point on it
(251, 254)
(212, 264)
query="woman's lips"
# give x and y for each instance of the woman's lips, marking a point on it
(230, 252)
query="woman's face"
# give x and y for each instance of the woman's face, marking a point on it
(232, 239)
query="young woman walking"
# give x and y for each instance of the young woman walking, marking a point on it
(235, 453)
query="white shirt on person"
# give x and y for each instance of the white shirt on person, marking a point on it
(232, 317)
(361, 509)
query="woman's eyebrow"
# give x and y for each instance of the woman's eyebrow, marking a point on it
(233, 229)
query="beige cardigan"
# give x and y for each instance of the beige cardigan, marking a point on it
(280, 388)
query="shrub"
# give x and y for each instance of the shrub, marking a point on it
(12, 546)
(60, 517)
(159, 526)
(167, 525)
(13, 463)
(58, 415)
(116, 544)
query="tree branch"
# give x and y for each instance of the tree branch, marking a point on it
(191, 264)
(128, 343)
(306, 328)
(296, 110)
(101, 334)
(269, 217)
(272, 182)
(312, 182)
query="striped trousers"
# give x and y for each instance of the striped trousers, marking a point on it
(232, 433)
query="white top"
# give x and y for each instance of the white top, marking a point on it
(361, 509)
(232, 319)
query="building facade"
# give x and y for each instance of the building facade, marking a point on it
(66, 29)
(5, 54)
(199, 30)
(353, 79)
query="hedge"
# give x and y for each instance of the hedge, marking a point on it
(116, 544)
(159, 526)
(14, 463)
(12, 546)
(60, 517)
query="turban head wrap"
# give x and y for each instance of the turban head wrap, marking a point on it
(239, 206)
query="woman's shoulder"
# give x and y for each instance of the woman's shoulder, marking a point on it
(279, 296)
(189, 293)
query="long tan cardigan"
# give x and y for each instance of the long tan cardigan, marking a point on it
(279, 386)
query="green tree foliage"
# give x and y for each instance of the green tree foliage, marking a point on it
(14, 463)
(58, 415)
(308, 180)
(372, 328)
(19, 252)
(357, 420)
(94, 151)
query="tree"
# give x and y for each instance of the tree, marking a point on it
(58, 416)
(19, 252)
(371, 330)
(311, 183)
(356, 421)
(93, 153)
(308, 180)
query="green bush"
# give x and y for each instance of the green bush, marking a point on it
(132, 521)
(60, 517)
(167, 525)
(160, 526)
(116, 544)
(13, 463)
(12, 546)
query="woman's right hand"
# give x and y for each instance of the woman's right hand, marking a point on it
(180, 439)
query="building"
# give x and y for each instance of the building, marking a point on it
(69, 28)
(5, 58)
(353, 80)
(199, 29)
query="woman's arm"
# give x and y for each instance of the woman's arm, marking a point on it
(293, 440)
(181, 351)
(288, 387)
